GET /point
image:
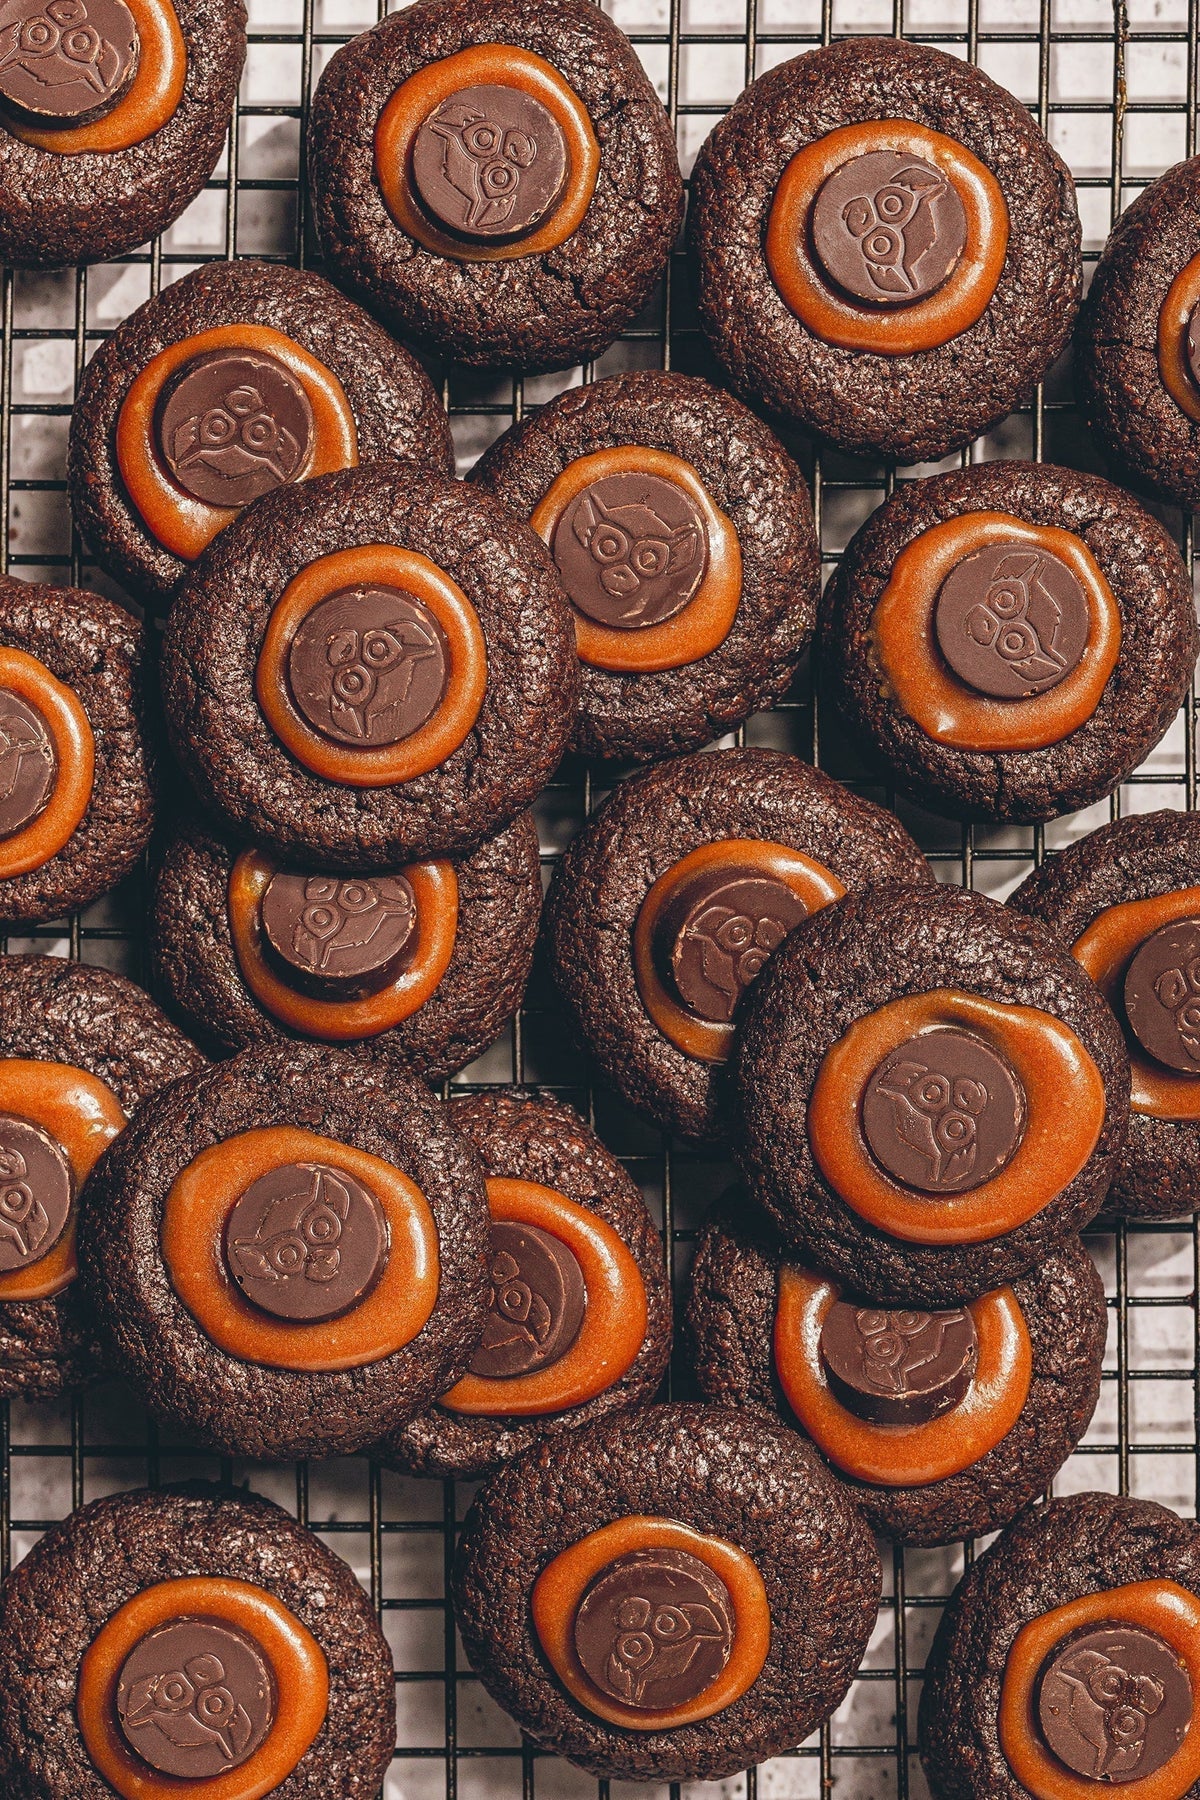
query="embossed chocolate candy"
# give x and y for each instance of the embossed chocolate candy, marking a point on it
(489, 163)
(1012, 620)
(1162, 995)
(537, 1302)
(714, 937)
(899, 1368)
(28, 763)
(36, 1191)
(888, 228)
(195, 1698)
(368, 666)
(233, 425)
(306, 1242)
(944, 1112)
(1114, 1702)
(67, 62)
(340, 938)
(632, 550)
(655, 1628)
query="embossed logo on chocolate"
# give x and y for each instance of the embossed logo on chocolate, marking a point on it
(537, 1302)
(368, 666)
(898, 1368)
(715, 935)
(1162, 995)
(341, 936)
(37, 1188)
(489, 163)
(28, 763)
(632, 550)
(306, 1242)
(67, 62)
(655, 1628)
(195, 1698)
(233, 425)
(1114, 1702)
(888, 228)
(1012, 620)
(1192, 344)
(944, 1112)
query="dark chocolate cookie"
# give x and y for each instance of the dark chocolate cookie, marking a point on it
(113, 114)
(371, 667)
(580, 1311)
(934, 1095)
(287, 1255)
(1137, 349)
(1068, 1655)
(1126, 901)
(240, 378)
(185, 1636)
(497, 179)
(76, 766)
(943, 1424)
(425, 965)
(666, 905)
(683, 534)
(80, 1050)
(887, 247)
(1012, 638)
(673, 1593)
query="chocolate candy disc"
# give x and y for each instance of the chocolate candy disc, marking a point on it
(714, 936)
(368, 666)
(233, 425)
(537, 1302)
(632, 550)
(654, 1629)
(67, 62)
(37, 1187)
(28, 763)
(1012, 620)
(306, 1242)
(944, 1112)
(339, 937)
(888, 228)
(195, 1698)
(1192, 344)
(1114, 1702)
(898, 1368)
(1162, 995)
(489, 163)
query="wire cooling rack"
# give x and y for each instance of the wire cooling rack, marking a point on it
(1115, 88)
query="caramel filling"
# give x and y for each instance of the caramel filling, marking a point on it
(833, 315)
(945, 708)
(901, 1455)
(590, 1600)
(528, 1292)
(1063, 1118)
(61, 720)
(298, 1673)
(1106, 950)
(152, 99)
(629, 540)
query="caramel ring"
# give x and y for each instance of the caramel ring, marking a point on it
(1064, 1092)
(941, 316)
(706, 620)
(1173, 317)
(902, 1455)
(75, 748)
(815, 886)
(297, 1663)
(82, 1114)
(440, 736)
(203, 1195)
(903, 631)
(435, 890)
(562, 1584)
(614, 1323)
(1163, 1607)
(483, 65)
(182, 524)
(1105, 950)
(152, 99)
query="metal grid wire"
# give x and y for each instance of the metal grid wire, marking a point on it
(1114, 85)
